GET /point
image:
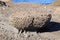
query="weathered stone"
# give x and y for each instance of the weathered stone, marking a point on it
(24, 15)
(27, 15)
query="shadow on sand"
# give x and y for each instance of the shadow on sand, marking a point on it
(51, 27)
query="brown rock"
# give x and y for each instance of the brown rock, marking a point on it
(27, 15)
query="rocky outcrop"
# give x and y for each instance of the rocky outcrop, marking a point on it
(27, 16)
(17, 17)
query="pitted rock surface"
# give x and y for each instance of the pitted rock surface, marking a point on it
(26, 15)
(17, 17)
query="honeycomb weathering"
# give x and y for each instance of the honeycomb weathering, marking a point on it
(27, 20)
(16, 17)
(27, 15)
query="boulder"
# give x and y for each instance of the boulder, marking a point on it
(21, 16)
(29, 16)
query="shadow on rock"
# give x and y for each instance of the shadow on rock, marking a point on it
(51, 27)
